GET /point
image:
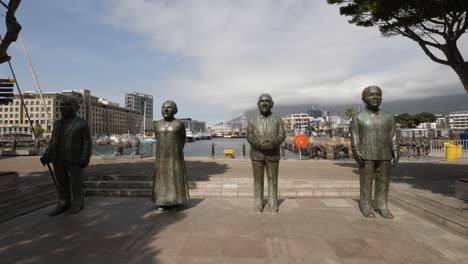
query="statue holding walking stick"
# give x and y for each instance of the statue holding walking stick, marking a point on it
(69, 151)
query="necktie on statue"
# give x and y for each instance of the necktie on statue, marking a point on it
(264, 125)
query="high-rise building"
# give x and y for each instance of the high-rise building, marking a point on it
(187, 123)
(198, 126)
(142, 103)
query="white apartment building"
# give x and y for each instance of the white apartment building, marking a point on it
(457, 120)
(299, 122)
(427, 125)
(440, 122)
(104, 117)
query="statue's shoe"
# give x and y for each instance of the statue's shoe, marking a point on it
(274, 209)
(177, 207)
(258, 208)
(385, 213)
(58, 210)
(74, 209)
(368, 213)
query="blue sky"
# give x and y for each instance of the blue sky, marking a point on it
(215, 57)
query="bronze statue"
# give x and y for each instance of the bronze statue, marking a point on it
(376, 149)
(13, 29)
(170, 187)
(265, 133)
(69, 150)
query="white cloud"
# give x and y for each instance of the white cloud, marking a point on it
(299, 51)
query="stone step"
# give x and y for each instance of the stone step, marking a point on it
(24, 192)
(118, 184)
(134, 184)
(449, 204)
(26, 201)
(201, 193)
(434, 214)
(34, 202)
(118, 178)
(118, 192)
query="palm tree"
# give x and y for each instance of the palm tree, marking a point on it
(349, 112)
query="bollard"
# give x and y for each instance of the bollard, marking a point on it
(243, 150)
(213, 150)
(151, 149)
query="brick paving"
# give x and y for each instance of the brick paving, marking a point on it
(226, 230)
(217, 230)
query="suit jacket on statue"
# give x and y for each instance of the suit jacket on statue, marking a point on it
(373, 135)
(77, 142)
(274, 134)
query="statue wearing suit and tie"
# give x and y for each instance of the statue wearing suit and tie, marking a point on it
(69, 151)
(265, 133)
(375, 148)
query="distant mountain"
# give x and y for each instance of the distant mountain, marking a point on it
(436, 105)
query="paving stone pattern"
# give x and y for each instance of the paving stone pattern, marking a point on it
(222, 230)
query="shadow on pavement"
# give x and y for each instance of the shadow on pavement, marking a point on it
(196, 170)
(435, 177)
(112, 230)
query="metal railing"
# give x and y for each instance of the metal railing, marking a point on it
(437, 148)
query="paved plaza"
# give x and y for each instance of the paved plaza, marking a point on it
(129, 230)
(225, 229)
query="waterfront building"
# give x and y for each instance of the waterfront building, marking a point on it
(427, 125)
(236, 124)
(198, 126)
(440, 121)
(299, 122)
(104, 117)
(193, 125)
(457, 120)
(187, 123)
(220, 127)
(142, 103)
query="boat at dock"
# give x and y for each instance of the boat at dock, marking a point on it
(189, 136)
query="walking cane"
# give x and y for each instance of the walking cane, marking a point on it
(52, 175)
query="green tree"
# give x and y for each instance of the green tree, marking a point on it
(38, 129)
(436, 25)
(349, 112)
(426, 117)
(407, 120)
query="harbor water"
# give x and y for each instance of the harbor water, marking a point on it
(200, 148)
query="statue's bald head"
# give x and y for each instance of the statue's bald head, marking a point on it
(369, 90)
(265, 103)
(265, 96)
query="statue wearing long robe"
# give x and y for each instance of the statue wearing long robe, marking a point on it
(170, 179)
